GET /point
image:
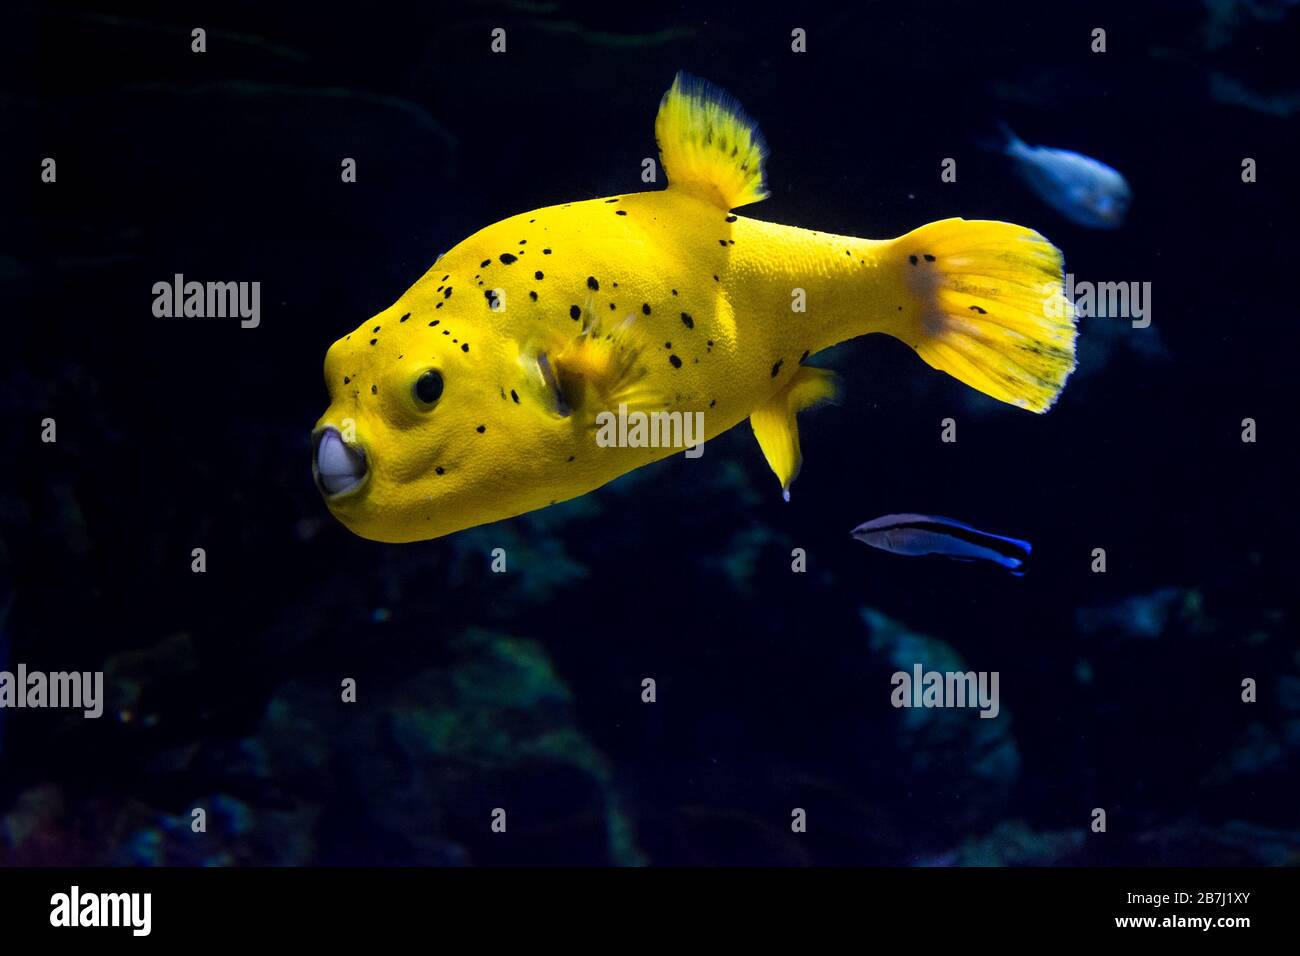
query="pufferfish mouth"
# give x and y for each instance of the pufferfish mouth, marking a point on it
(338, 467)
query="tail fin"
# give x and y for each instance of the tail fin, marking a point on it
(990, 308)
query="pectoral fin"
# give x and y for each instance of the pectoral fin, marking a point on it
(774, 422)
(596, 370)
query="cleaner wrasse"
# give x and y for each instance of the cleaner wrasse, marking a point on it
(913, 534)
(475, 396)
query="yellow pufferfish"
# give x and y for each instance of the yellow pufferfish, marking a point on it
(475, 396)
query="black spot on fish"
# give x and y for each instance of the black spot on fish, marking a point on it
(481, 429)
(491, 296)
(912, 259)
(674, 291)
(929, 258)
(445, 278)
(620, 212)
(677, 363)
(645, 308)
(373, 341)
(446, 293)
(713, 402)
(716, 279)
(533, 295)
(571, 457)
(440, 470)
(574, 312)
(592, 284)
(668, 345)
(346, 379)
(465, 347)
(847, 253)
(374, 389)
(433, 323)
(731, 219)
(612, 307)
(803, 358)
(722, 242)
(611, 200)
(515, 396)
(485, 263)
(439, 289)
(710, 343)
(538, 275)
(405, 317)
(776, 369)
(546, 252)
(438, 306)
(523, 242)
(974, 308)
(375, 329)
(507, 258)
(688, 321)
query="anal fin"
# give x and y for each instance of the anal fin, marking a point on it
(775, 425)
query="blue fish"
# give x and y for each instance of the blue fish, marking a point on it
(1085, 191)
(932, 534)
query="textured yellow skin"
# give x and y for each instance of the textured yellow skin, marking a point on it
(667, 302)
(529, 457)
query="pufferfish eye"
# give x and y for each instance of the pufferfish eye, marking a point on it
(428, 387)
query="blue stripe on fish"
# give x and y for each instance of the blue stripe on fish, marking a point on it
(914, 534)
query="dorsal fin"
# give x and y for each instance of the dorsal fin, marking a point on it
(708, 146)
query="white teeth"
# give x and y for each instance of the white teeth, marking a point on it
(338, 466)
(332, 458)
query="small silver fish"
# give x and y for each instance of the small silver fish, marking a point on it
(932, 534)
(1082, 189)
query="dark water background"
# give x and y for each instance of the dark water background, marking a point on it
(1119, 690)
